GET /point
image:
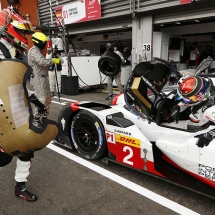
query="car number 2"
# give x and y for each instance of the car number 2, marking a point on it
(129, 155)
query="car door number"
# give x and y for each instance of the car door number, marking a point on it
(127, 157)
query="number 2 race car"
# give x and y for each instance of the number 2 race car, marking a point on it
(133, 131)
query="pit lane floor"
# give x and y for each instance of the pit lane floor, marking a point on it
(64, 186)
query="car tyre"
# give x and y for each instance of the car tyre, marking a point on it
(110, 63)
(88, 135)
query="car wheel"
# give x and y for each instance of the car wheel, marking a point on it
(88, 135)
(110, 63)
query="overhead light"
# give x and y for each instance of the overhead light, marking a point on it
(162, 25)
(197, 20)
(178, 23)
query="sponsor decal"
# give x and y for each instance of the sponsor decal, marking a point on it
(98, 150)
(206, 172)
(122, 132)
(128, 140)
(73, 138)
(99, 133)
(110, 137)
(109, 117)
(63, 123)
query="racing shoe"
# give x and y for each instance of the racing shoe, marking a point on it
(109, 97)
(21, 191)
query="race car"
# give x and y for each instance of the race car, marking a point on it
(134, 131)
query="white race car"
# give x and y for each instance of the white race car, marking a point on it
(134, 132)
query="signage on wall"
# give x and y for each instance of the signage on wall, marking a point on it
(117, 36)
(185, 1)
(147, 47)
(79, 11)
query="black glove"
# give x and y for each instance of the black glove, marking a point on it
(42, 111)
(205, 139)
(40, 106)
(174, 114)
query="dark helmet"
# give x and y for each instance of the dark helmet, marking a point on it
(109, 46)
(39, 39)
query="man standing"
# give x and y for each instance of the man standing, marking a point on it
(40, 67)
(127, 56)
(55, 86)
(117, 77)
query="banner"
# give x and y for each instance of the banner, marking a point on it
(185, 1)
(80, 11)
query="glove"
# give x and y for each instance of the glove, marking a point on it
(42, 111)
(40, 106)
(205, 139)
(56, 60)
(174, 114)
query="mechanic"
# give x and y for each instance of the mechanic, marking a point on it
(194, 93)
(51, 70)
(13, 43)
(40, 65)
(117, 77)
(127, 56)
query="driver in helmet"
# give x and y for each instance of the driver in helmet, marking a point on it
(13, 28)
(13, 43)
(194, 93)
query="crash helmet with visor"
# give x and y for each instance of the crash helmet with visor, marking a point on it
(109, 46)
(193, 90)
(14, 27)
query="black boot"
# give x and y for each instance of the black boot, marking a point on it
(21, 191)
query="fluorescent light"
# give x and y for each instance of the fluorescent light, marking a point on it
(162, 25)
(178, 23)
(197, 20)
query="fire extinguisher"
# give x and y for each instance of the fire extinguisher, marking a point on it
(49, 44)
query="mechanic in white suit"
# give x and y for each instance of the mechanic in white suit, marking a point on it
(55, 86)
(194, 92)
(117, 77)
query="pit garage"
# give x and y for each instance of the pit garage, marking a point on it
(177, 34)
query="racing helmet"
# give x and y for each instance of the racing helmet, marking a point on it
(193, 90)
(14, 26)
(39, 39)
(126, 49)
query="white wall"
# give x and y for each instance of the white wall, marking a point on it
(157, 36)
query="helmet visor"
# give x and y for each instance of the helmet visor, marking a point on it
(24, 25)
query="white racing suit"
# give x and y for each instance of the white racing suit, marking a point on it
(39, 80)
(23, 164)
(116, 77)
(200, 115)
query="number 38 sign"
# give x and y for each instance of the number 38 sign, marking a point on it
(147, 47)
